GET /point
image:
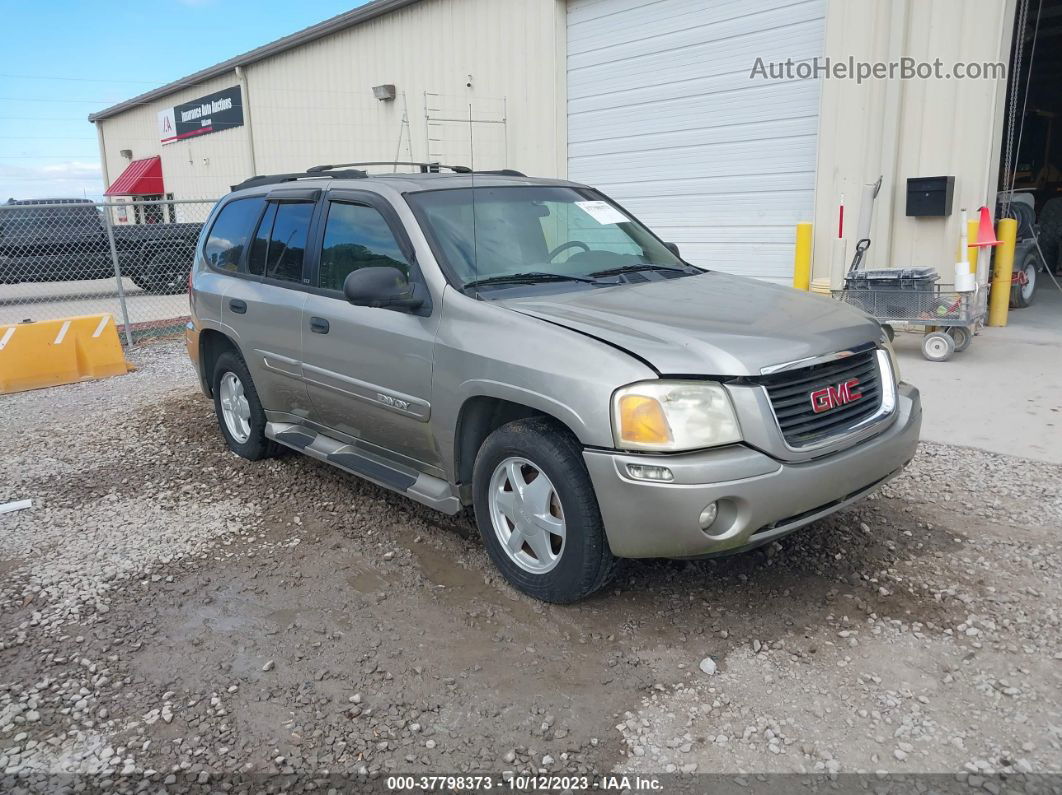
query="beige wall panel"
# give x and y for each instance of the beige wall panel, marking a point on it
(314, 104)
(198, 168)
(911, 128)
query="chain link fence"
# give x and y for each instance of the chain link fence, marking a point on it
(68, 257)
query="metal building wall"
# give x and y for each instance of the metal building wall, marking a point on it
(510, 49)
(314, 104)
(199, 168)
(911, 128)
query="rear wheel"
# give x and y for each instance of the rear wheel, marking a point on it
(961, 336)
(1023, 290)
(240, 415)
(537, 512)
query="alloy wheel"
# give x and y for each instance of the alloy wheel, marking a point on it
(235, 409)
(527, 515)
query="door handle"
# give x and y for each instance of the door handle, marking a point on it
(318, 325)
(237, 305)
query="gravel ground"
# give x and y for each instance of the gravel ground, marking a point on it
(171, 615)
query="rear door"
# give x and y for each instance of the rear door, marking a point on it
(264, 300)
(368, 370)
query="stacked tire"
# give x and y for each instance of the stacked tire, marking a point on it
(1050, 223)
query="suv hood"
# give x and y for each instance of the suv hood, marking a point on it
(709, 324)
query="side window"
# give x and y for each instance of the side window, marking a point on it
(287, 243)
(356, 236)
(256, 260)
(230, 233)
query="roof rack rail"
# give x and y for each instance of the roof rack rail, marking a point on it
(503, 172)
(425, 168)
(273, 179)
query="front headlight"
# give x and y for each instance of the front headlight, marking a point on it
(666, 416)
(886, 343)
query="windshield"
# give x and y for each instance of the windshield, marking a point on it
(538, 235)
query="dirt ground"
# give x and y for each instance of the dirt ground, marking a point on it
(172, 614)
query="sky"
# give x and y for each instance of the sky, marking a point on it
(64, 59)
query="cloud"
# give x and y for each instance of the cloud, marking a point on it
(73, 178)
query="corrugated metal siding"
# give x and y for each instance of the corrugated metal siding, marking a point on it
(314, 104)
(193, 169)
(911, 128)
(663, 116)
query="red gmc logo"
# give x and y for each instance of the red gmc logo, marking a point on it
(833, 396)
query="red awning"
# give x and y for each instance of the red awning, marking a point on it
(140, 178)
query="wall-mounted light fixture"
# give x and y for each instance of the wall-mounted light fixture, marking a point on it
(126, 153)
(384, 93)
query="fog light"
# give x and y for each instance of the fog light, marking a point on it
(708, 516)
(648, 472)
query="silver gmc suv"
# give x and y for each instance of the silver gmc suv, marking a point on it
(528, 348)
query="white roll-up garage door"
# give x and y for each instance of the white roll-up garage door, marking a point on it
(664, 117)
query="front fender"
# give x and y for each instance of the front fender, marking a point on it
(569, 415)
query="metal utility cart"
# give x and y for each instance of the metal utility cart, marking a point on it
(911, 296)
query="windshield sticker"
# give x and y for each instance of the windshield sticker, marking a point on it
(602, 212)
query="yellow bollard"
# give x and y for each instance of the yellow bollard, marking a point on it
(1002, 272)
(802, 258)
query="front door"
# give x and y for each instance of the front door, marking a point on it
(367, 370)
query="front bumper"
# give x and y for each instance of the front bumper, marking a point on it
(759, 498)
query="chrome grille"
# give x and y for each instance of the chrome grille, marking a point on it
(790, 395)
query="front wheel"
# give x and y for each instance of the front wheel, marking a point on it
(537, 512)
(937, 346)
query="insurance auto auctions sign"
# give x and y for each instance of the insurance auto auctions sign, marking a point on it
(213, 113)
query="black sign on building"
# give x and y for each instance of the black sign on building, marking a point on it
(213, 113)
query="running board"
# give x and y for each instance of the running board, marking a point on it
(428, 490)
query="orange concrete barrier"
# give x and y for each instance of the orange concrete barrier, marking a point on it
(52, 352)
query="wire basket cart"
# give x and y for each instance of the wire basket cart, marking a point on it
(949, 318)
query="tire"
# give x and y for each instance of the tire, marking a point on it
(890, 332)
(1021, 293)
(161, 275)
(559, 569)
(249, 442)
(1021, 212)
(1050, 223)
(961, 336)
(937, 346)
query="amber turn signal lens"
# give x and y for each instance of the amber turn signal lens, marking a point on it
(642, 420)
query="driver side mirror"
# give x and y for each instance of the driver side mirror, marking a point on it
(673, 248)
(381, 287)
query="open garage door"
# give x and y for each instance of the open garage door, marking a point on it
(664, 117)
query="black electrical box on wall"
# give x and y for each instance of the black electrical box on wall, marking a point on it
(929, 195)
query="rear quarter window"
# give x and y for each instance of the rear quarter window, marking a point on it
(231, 233)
